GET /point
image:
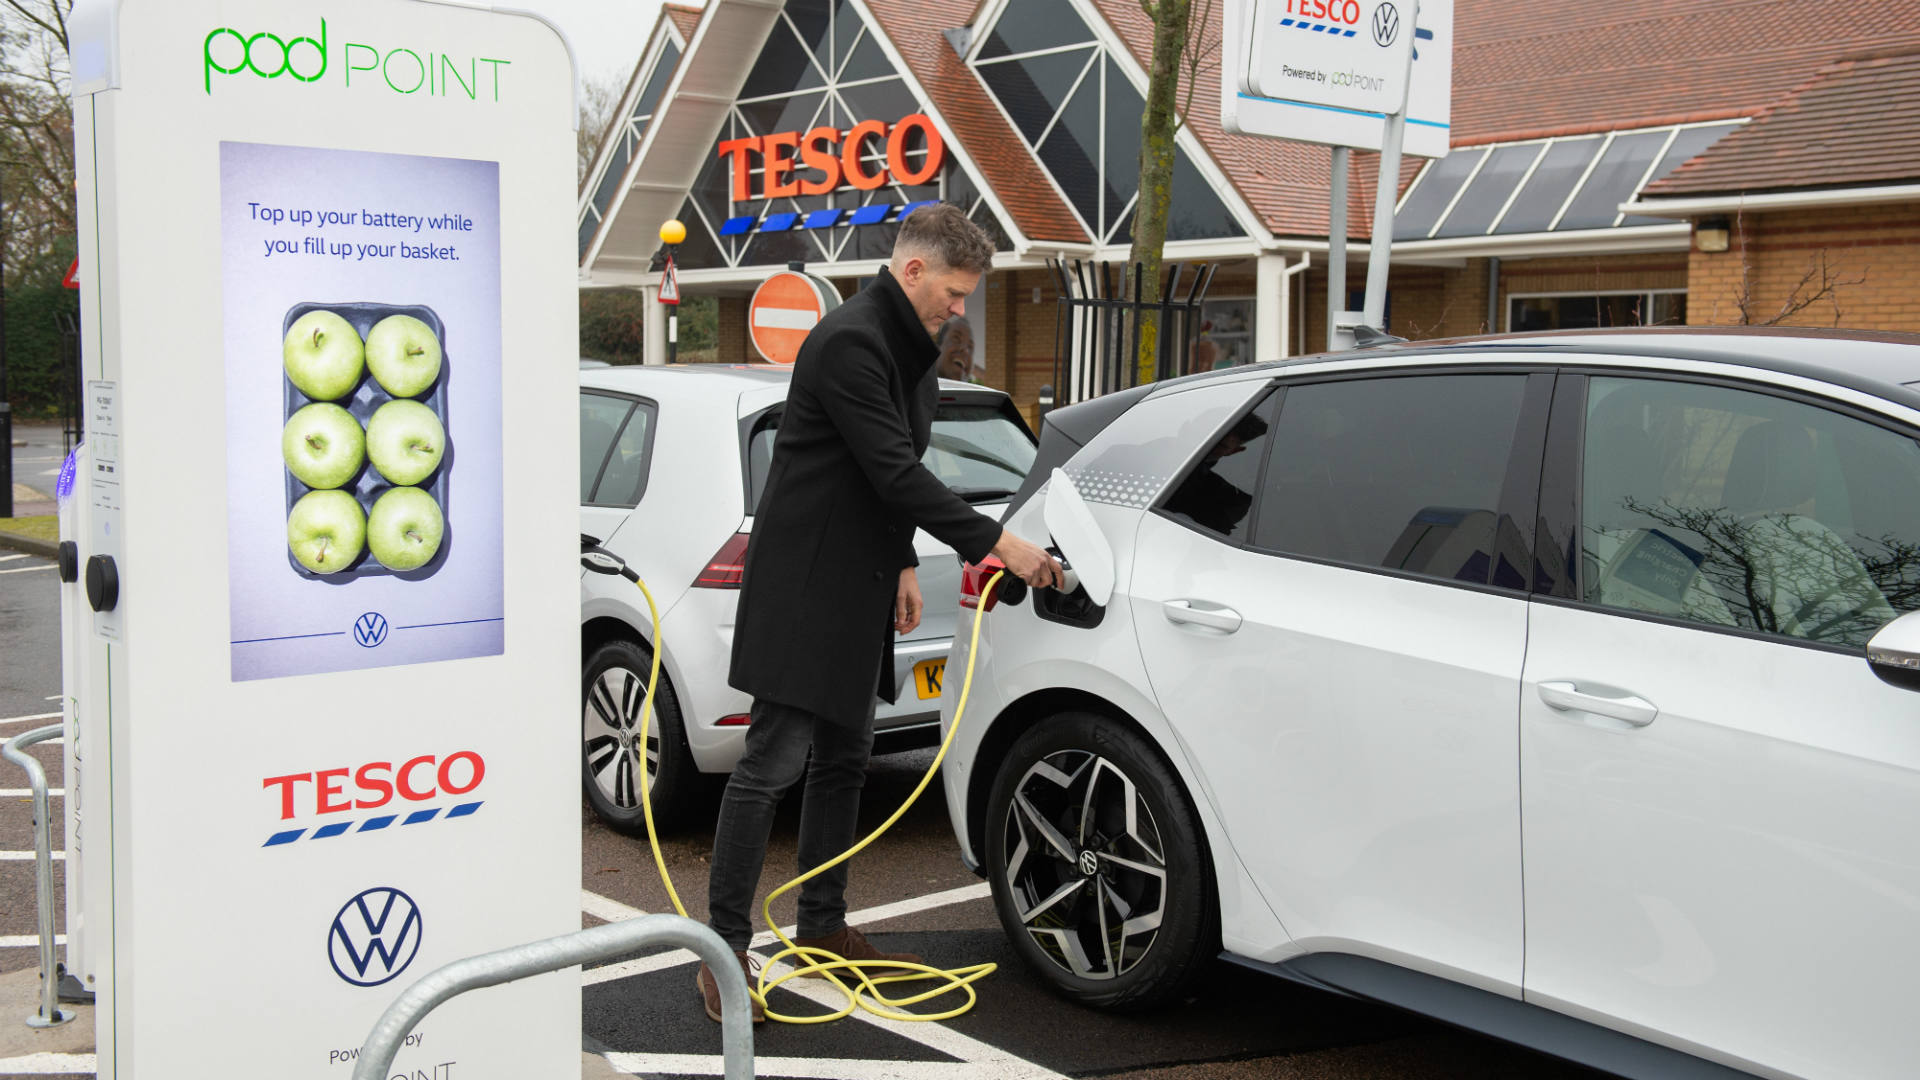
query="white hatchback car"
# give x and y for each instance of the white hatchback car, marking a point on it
(1561, 687)
(672, 462)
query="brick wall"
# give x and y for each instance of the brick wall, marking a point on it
(1773, 261)
(732, 333)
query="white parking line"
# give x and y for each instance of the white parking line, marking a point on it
(27, 856)
(24, 941)
(22, 793)
(28, 569)
(35, 716)
(607, 909)
(49, 1064)
(826, 1068)
(10, 558)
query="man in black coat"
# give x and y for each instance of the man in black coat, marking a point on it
(830, 574)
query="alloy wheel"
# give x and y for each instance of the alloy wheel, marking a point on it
(1086, 866)
(611, 727)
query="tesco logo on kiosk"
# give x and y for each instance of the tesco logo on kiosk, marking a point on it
(839, 159)
(385, 786)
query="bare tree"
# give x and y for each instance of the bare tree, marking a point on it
(599, 109)
(36, 130)
(1177, 50)
(1820, 282)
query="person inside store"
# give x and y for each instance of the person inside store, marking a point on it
(956, 351)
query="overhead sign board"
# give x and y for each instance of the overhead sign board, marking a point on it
(1331, 71)
(343, 213)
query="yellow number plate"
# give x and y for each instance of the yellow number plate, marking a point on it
(927, 675)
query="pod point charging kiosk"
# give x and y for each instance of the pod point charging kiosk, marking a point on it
(327, 695)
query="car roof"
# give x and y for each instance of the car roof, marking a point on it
(1883, 363)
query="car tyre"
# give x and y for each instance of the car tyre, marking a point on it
(613, 690)
(1069, 872)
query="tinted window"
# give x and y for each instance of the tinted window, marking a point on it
(625, 477)
(1739, 509)
(600, 420)
(1613, 181)
(1552, 181)
(979, 450)
(1434, 193)
(1217, 493)
(1402, 472)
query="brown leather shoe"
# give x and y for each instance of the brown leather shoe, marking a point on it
(849, 944)
(710, 990)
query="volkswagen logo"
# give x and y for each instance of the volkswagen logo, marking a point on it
(375, 936)
(370, 629)
(1089, 863)
(1386, 25)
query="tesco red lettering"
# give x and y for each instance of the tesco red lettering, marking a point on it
(818, 170)
(1338, 11)
(377, 782)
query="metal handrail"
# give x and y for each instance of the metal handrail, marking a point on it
(568, 950)
(50, 1014)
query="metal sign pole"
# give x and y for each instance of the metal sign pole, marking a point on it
(1387, 191)
(1337, 251)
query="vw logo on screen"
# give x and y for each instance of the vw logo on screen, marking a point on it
(375, 936)
(1386, 25)
(370, 629)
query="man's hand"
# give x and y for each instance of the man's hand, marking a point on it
(906, 603)
(1027, 562)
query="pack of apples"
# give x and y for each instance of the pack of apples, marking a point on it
(365, 442)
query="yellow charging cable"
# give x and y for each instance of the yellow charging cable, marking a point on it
(866, 994)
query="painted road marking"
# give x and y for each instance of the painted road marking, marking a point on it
(10, 558)
(829, 1068)
(22, 941)
(607, 909)
(28, 569)
(35, 716)
(49, 1064)
(28, 856)
(21, 793)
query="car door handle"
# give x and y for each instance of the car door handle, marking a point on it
(1628, 708)
(1213, 617)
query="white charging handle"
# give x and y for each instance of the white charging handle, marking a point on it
(1079, 538)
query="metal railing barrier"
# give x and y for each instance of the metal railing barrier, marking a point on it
(50, 1013)
(568, 950)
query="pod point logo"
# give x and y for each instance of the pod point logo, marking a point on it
(1386, 25)
(370, 629)
(375, 937)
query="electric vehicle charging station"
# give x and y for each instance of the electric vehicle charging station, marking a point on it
(330, 757)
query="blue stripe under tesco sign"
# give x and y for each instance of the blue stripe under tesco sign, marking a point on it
(876, 214)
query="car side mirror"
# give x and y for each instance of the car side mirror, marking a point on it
(1079, 538)
(1894, 652)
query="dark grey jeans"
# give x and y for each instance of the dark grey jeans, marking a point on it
(778, 738)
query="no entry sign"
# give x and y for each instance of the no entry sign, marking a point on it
(785, 307)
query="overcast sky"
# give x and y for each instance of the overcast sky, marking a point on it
(607, 35)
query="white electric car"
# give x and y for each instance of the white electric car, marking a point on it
(672, 461)
(1561, 687)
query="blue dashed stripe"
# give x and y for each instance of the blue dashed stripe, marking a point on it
(1316, 28)
(372, 824)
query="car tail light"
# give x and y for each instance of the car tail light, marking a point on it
(727, 567)
(973, 582)
(736, 720)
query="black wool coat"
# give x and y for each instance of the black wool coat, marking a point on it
(835, 525)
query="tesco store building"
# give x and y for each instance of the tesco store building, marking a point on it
(1584, 186)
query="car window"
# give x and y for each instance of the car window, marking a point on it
(1217, 492)
(978, 449)
(625, 478)
(1736, 508)
(1402, 472)
(600, 420)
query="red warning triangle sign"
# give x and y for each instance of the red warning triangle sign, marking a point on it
(669, 285)
(72, 280)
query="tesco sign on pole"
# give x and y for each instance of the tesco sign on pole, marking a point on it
(1330, 71)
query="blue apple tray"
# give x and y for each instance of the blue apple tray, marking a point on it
(368, 485)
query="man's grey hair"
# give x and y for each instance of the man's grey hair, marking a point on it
(943, 237)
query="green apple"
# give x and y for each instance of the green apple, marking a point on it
(405, 528)
(323, 445)
(404, 355)
(326, 531)
(324, 355)
(405, 441)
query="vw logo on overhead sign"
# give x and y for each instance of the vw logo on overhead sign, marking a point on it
(1386, 24)
(375, 936)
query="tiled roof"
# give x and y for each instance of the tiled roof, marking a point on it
(684, 18)
(1857, 122)
(1567, 66)
(1004, 163)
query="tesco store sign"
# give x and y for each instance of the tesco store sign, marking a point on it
(835, 159)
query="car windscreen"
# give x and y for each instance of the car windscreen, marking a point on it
(980, 450)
